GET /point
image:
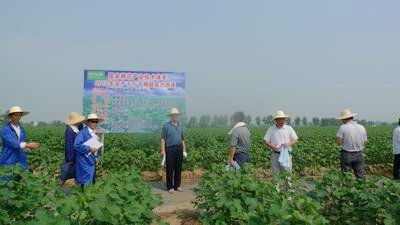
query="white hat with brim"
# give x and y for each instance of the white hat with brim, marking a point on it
(174, 111)
(280, 114)
(17, 109)
(345, 114)
(74, 118)
(93, 116)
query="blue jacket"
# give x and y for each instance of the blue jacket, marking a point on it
(69, 151)
(85, 161)
(12, 154)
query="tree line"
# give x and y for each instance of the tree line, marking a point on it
(264, 121)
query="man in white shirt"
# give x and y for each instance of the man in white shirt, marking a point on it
(351, 137)
(277, 138)
(396, 152)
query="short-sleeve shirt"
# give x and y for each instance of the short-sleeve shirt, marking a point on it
(240, 139)
(353, 135)
(173, 135)
(279, 136)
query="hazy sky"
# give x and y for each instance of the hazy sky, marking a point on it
(310, 58)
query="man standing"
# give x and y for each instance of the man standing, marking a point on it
(173, 149)
(351, 137)
(396, 152)
(240, 141)
(15, 146)
(280, 137)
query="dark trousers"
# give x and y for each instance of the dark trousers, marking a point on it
(396, 167)
(241, 158)
(174, 157)
(352, 161)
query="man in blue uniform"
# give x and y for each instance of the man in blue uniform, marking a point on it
(13, 137)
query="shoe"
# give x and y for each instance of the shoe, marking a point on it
(179, 189)
(171, 191)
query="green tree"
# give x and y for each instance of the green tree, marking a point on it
(258, 120)
(204, 121)
(304, 121)
(315, 121)
(297, 121)
(247, 120)
(192, 122)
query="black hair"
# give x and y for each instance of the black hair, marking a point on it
(238, 116)
(399, 122)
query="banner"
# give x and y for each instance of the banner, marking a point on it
(133, 101)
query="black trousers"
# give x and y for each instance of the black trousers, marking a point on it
(396, 167)
(174, 157)
(241, 158)
(352, 161)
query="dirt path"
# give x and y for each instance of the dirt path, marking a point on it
(177, 208)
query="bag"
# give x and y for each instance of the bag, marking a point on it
(284, 158)
(68, 171)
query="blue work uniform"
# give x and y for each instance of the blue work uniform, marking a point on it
(12, 153)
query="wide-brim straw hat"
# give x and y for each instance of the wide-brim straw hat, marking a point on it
(345, 114)
(174, 111)
(17, 109)
(280, 114)
(93, 116)
(74, 118)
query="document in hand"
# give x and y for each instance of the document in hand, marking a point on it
(163, 161)
(93, 142)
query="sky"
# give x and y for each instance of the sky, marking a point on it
(308, 58)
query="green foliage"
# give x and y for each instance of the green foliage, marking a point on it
(348, 200)
(238, 197)
(121, 198)
(21, 193)
(317, 148)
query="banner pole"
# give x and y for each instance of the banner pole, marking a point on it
(102, 147)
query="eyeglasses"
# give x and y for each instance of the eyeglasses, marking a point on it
(94, 121)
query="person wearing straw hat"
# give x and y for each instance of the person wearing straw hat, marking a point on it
(173, 148)
(13, 137)
(280, 137)
(85, 158)
(73, 126)
(396, 152)
(352, 137)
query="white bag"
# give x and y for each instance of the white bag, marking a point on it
(284, 159)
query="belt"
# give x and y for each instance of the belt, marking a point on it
(174, 146)
(345, 151)
(280, 152)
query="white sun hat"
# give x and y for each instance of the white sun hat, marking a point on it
(174, 111)
(17, 109)
(74, 118)
(280, 114)
(345, 114)
(93, 116)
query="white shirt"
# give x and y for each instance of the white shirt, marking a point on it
(18, 131)
(396, 140)
(74, 128)
(279, 136)
(93, 133)
(353, 135)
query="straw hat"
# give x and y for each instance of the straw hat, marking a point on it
(93, 116)
(17, 109)
(280, 114)
(345, 114)
(174, 111)
(74, 118)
